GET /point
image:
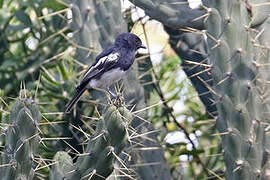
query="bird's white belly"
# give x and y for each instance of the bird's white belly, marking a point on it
(107, 79)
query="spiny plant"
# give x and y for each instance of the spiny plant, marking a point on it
(238, 54)
(238, 45)
(21, 139)
(52, 57)
(96, 162)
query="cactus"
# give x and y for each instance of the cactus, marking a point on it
(172, 13)
(97, 160)
(21, 140)
(235, 29)
(238, 49)
(63, 166)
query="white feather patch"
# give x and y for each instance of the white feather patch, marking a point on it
(113, 56)
(110, 57)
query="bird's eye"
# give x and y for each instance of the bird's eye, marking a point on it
(137, 41)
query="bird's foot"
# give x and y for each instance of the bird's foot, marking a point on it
(118, 100)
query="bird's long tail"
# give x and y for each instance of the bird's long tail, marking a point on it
(74, 100)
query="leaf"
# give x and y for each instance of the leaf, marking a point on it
(52, 4)
(1, 3)
(23, 17)
(62, 70)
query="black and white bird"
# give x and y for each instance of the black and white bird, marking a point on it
(110, 66)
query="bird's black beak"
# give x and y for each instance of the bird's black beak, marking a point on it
(142, 46)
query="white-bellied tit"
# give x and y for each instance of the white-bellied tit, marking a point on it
(110, 66)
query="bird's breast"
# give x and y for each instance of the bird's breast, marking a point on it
(107, 79)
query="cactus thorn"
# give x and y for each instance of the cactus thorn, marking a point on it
(230, 130)
(229, 74)
(88, 9)
(239, 164)
(267, 128)
(218, 43)
(250, 141)
(228, 19)
(239, 50)
(256, 64)
(248, 85)
(258, 172)
(111, 150)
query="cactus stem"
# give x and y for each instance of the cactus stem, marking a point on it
(121, 161)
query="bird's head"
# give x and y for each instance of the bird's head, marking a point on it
(129, 40)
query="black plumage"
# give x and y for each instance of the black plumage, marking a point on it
(110, 66)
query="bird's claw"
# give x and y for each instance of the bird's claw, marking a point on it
(117, 100)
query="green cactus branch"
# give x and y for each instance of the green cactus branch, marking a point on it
(232, 28)
(173, 13)
(102, 149)
(22, 140)
(238, 48)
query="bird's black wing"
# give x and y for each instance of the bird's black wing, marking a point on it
(103, 64)
(104, 53)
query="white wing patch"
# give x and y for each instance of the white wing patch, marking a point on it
(110, 57)
(113, 56)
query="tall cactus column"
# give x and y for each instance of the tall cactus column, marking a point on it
(21, 141)
(238, 85)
